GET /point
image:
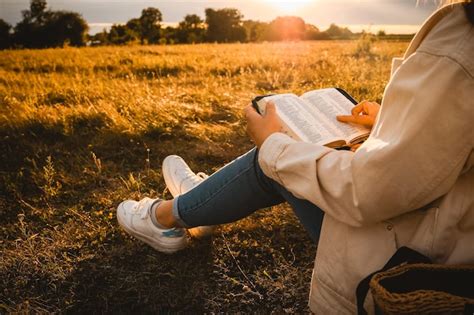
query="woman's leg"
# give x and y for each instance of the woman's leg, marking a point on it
(236, 191)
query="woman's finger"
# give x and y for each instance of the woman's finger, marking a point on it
(363, 120)
(356, 110)
(355, 147)
(346, 118)
(362, 108)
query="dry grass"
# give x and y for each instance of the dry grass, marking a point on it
(83, 129)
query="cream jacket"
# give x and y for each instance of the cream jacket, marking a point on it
(410, 184)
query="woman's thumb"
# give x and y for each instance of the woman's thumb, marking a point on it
(270, 109)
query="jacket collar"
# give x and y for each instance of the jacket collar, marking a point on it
(429, 24)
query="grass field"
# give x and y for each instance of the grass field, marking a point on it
(83, 129)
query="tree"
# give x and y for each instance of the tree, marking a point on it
(120, 35)
(150, 25)
(312, 32)
(192, 21)
(5, 35)
(134, 26)
(287, 28)
(256, 31)
(169, 35)
(191, 29)
(65, 27)
(42, 28)
(29, 32)
(336, 32)
(224, 25)
(37, 11)
(26, 34)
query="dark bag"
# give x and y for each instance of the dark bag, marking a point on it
(410, 284)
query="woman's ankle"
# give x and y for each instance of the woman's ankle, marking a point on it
(164, 214)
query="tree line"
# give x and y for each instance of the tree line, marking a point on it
(42, 28)
(220, 25)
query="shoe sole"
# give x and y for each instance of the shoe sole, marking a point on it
(202, 232)
(155, 243)
(167, 176)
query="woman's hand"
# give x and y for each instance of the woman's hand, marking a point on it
(261, 127)
(363, 114)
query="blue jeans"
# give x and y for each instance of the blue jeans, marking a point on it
(236, 191)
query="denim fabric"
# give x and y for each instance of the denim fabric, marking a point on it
(236, 191)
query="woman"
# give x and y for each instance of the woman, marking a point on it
(410, 184)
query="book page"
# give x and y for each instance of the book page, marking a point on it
(330, 103)
(302, 118)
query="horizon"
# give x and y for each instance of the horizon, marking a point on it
(401, 29)
(405, 16)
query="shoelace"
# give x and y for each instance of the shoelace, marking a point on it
(142, 207)
(189, 175)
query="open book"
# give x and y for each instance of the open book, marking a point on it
(311, 117)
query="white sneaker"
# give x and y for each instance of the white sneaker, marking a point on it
(179, 178)
(135, 218)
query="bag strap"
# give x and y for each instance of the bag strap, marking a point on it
(403, 255)
(468, 309)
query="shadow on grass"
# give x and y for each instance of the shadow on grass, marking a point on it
(133, 278)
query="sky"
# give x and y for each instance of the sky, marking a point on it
(394, 16)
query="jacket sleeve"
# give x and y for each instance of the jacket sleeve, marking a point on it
(416, 151)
